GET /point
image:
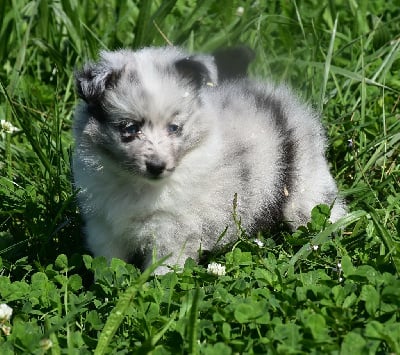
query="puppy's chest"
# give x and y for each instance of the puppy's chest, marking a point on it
(127, 202)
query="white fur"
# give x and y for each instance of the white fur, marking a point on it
(228, 146)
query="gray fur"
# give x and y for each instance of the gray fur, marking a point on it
(160, 154)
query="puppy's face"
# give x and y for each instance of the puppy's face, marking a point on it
(142, 111)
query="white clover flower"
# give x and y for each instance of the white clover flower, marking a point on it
(5, 312)
(315, 247)
(7, 127)
(45, 344)
(350, 143)
(339, 265)
(240, 11)
(6, 330)
(259, 242)
(216, 269)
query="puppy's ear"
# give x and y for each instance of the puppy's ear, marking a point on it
(198, 70)
(94, 79)
(233, 62)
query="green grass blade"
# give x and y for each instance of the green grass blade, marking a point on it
(328, 61)
(141, 34)
(392, 245)
(118, 313)
(192, 327)
(16, 73)
(323, 236)
(21, 119)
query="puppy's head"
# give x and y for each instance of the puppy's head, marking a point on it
(142, 110)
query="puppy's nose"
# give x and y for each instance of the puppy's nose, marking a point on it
(155, 167)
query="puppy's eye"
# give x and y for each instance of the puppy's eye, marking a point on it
(173, 128)
(132, 128)
(129, 131)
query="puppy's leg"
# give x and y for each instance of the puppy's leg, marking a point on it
(177, 241)
(314, 185)
(101, 242)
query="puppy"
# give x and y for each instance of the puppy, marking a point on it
(161, 149)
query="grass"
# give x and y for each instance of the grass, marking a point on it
(322, 289)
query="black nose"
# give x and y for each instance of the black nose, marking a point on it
(155, 167)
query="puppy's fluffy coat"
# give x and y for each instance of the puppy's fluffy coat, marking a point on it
(162, 148)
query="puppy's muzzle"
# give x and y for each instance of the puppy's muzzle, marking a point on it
(155, 167)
